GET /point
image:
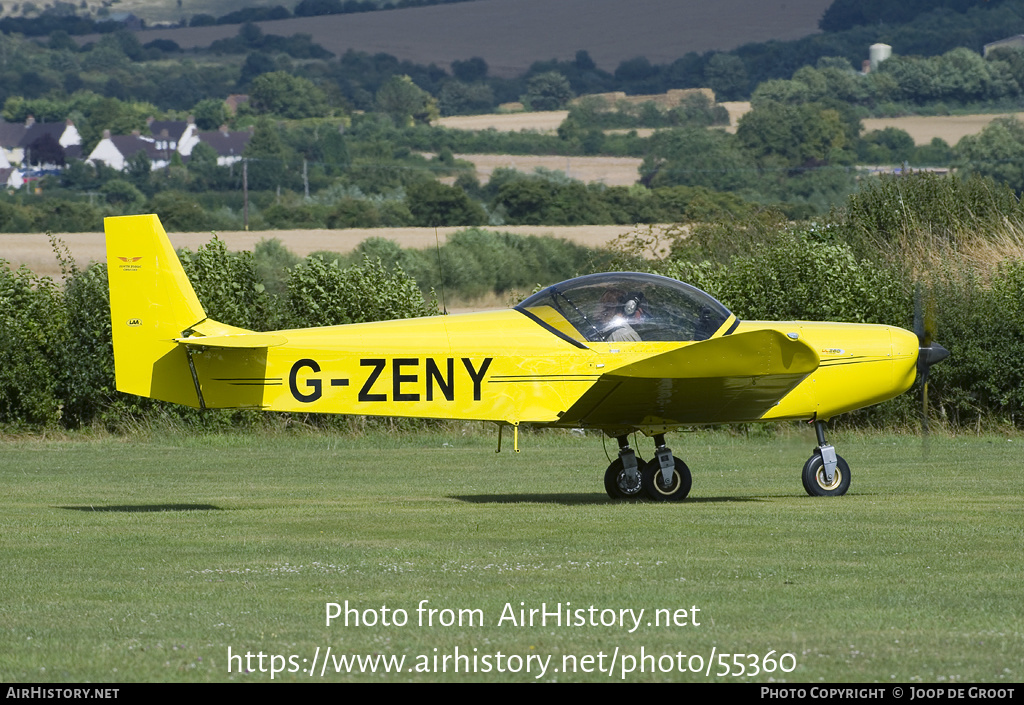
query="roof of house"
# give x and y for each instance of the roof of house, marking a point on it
(171, 129)
(22, 134)
(130, 145)
(225, 142)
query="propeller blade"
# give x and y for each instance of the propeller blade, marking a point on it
(929, 353)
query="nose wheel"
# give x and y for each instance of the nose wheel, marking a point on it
(816, 481)
(825, 473)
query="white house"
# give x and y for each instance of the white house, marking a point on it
(114, 150)
(16, 139)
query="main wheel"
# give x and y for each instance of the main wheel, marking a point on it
(814, 477)
(617, 484)
(675, 491)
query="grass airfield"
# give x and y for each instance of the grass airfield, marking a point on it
(148, 558)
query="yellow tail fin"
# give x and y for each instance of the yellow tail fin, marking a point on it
(152, 302)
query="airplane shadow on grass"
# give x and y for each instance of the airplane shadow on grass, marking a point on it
(132, 508)
(581, 498)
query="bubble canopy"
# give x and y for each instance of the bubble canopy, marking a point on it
(626, 307)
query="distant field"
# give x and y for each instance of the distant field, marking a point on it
(33, 249)
(951, 128)
(545, 122)
(155, 558)
(512, 34)
(610, 171)
(922, 128)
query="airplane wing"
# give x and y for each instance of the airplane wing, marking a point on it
(730, 379)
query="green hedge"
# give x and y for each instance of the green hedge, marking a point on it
(959, 242)
(56, 356)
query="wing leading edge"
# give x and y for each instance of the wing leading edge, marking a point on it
(729, 379)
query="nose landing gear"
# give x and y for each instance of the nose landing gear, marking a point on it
(825, 474)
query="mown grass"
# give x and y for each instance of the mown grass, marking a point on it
(145, 559)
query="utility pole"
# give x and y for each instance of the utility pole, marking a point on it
(245, 193)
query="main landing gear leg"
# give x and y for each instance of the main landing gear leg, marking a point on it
(666, 478)
(622, 478)
(825, 474)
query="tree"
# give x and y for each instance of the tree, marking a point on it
(458, 98)
(179, 211)
(727, 76)
(204, 172)
(228, 284)
(123, 195)
(321, 293)
(45, 150)
(915, 78)
(255, 64)
(998, 152)
(433, 204)
(470, 70)
(139, 170)
(696, 157)
(964, 76)
(547, 91)
(405, 102)
(280, 93)
(105, 56)
(778, 135)
(888, 146)
(270, 163)
(210, 114)
(118, 116)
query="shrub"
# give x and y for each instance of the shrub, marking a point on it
(33, 329)
(321, 293)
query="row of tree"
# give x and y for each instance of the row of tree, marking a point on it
(368, 171)
(120, 65)
(957, 78)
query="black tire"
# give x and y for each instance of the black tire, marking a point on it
(617, 485)
(814, 477)
(808, 472)
(654, 485)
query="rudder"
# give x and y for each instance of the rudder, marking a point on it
(152, 302)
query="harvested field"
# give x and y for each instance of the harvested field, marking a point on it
(737, 109)
(610, 171)
(510, 35)
(922, 128)
(951, 128)
(33, 249)
(545, 122)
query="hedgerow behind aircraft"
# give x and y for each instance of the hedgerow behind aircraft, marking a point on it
(619, 352)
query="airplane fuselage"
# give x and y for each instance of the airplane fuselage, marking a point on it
(457, 367)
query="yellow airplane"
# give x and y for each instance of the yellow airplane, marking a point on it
(618, 352)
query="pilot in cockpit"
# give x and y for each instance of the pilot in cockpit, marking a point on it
(616, 310)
